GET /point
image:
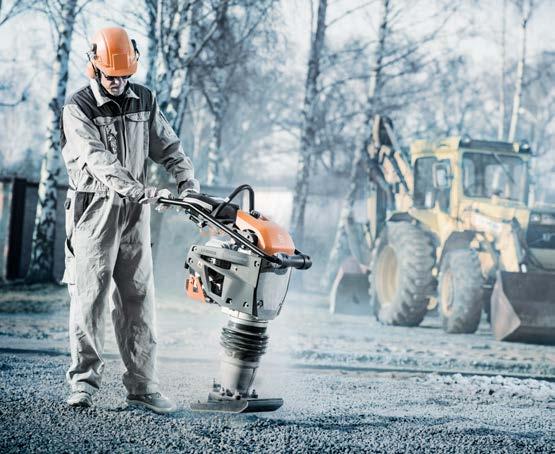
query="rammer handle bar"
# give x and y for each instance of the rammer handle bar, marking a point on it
(299, 261)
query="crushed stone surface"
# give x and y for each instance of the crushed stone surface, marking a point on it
(323, 412)
(321, 364)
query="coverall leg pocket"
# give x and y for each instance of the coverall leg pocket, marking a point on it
(69, 271)
(82, 205)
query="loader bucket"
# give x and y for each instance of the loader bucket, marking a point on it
(349, 293)
(523, 307)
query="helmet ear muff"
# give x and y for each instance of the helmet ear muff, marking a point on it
(92, 71)
(136, 49)
(91, 54)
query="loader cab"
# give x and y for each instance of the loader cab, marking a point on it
(458, 173)
(487, 175)
(457, 168)
(495, 171)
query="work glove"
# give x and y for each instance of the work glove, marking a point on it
(152, 195)
(188, 186)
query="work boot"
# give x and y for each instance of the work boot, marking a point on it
(80, 399)
(156, 402)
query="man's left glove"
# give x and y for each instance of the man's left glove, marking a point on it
(152, 195)
(187, 186)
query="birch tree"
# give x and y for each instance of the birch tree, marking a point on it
(501, 121)
(182, 30)
(308, 131)
(169, 28)
(361, 153)
(175, 39)
(526, 7)
(218, 102)
(42, 250)
(150, 24)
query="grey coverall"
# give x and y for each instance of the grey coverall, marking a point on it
(108, 252)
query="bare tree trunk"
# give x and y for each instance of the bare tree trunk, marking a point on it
(171, 81)
(151, 73)
(358, 176)
(172, 18)
(198, 121)
(42, 250)
(169, 20)
(308, 134)
(517, 99)
(219, 101)
(179, 102)
(177, 78)
(175, 72)
(501, 121)
(173, 63)
(213, 167)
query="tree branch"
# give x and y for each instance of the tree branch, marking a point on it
(349, 12)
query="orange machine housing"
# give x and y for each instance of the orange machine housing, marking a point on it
(272, 238)
(194, 290)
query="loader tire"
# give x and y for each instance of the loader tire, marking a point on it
(401, 274)
(460, 291)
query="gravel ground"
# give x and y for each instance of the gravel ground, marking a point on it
(349, 384)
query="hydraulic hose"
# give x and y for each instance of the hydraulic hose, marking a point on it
(231, 196)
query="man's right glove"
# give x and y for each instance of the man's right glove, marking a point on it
(152, 195)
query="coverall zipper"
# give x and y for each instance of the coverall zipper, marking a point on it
(124, 151)
(124, 139)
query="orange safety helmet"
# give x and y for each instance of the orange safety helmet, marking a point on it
(113, 53)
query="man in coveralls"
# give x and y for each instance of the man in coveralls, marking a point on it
(109, 129)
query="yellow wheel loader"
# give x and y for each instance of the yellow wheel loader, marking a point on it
(450, 226)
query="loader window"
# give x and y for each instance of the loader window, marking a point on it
(425, 194)
(424, 191)
(485, 175)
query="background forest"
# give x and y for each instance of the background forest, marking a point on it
(281, 93)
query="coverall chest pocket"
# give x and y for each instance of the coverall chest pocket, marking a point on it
(137, 126)
(108, 128)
